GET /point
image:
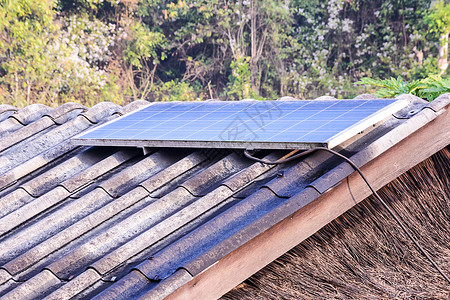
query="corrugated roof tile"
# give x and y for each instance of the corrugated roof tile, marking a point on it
(132, 284)
(6, 111)
(120, 233)
(24, 132)
(249, 174)
(135, 105)
(139, 171)
(71, 233)
(50, 144)
(295, 179)
(30, 210)
(99, 112)
(48, 225)
(4, 276)
(94, 170)
(14, 200)
(171, 172)
(213, 176)
(167, 286)
(65, 174)
(75, 286)
(440, 102)
(65, 112)
(30, 113)
(161, 229)
(33, 288)
(206, 236)
(8, 126)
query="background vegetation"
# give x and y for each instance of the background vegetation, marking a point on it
(123, 50)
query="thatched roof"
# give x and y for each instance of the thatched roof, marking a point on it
(364, 253)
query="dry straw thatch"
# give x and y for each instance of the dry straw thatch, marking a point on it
(364, 254)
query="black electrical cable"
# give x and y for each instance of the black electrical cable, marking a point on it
(391, 212)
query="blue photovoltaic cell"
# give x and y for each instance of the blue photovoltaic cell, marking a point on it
(241, 124)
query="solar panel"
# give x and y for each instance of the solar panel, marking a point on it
(242, 124)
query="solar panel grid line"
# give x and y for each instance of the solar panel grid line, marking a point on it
(236, 117)
(304, 120)
(178, 116)
(166, 121)
(134, 124)
(284, 116)
(240, 120)
(168, 129)
(239, 124)
(308, 118)
(264, 126)
(363, 124)
(193, 121)
(352, 109)
(216, 122)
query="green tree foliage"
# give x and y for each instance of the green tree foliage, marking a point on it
(26, 27)
(239, 86)
(438, 20)
(90, 50)
(50, 60)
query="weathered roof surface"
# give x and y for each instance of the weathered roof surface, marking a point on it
(114, 223)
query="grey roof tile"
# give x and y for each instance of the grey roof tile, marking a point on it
(4, 276)
(15, 170)
(115, 223)
(212, 176)
(30, 113)
(298, 176)
(132, 284)
(326, 98)
(34, 288)
(30, 210)
(66, 112)
(206, 236)
(440, 102)
(75, 286)
(22, 133)
(167, 286)
(50, 144)
(172, 172)
(95, 169)
(6, 111)
(68, 172)
(48, 225)
(8, 126)
(98, 113)
(71, 233)
(160, 230)
(14, 200)
(120, 233)
(249, 174)
(25, 127)
(366, 96)
(138, 172)
(135, 105)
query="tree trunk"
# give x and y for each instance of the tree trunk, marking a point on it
(254, 47)
(443, 53)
